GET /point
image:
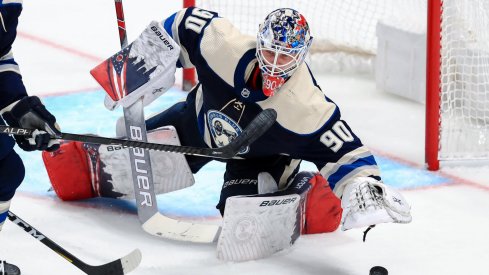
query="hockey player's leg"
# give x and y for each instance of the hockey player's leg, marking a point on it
(104, 170)
(322, 208)
(256, 226)
(84, 170)
(182, 116)
(11, 175)
(241, 177)
(263, 214)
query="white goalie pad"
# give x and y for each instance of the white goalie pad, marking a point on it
(258, 226)
(367, 201)
(144, 69)
(170, 171)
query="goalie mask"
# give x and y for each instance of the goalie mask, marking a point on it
(282, 44)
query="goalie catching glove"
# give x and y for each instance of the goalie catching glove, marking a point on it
(367, 201)
(30, 113)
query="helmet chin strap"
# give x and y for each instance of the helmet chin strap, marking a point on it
(271, 84)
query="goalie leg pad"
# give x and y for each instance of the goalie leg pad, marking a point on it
(171, 171)
(242, 176)
(257, 226)
(68, 169)
(323, 208)
(83, 170)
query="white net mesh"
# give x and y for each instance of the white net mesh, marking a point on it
(343, 30)
(464, 80)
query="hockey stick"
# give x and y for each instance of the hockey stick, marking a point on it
(257, 127)
(120, 266)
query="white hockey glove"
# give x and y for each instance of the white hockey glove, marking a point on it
(367, 202)
(30, 113)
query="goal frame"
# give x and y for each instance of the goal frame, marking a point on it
(189, 76)
(433, 88)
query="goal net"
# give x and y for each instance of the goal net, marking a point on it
(464, 80)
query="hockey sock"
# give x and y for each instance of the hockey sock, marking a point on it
(4, 207)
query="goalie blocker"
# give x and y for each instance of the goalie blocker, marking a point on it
(84, 170)
(144, 69)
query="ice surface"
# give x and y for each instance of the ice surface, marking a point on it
(60, 41)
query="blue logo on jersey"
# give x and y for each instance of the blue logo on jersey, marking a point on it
(223, 129)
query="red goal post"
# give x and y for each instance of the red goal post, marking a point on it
(433, 85)
(189, 77)
(457, 109)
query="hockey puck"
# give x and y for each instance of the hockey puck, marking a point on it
(378, 270)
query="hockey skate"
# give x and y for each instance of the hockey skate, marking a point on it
(8, 269)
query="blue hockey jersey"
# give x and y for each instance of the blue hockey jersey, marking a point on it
(309, 125)
(11, 85)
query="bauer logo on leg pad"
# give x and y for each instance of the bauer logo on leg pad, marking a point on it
(277, 202)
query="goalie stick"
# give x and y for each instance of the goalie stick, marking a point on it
(142, 175)
(120, 266)
(257, 127)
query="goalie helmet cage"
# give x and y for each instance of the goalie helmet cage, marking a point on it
(344, 31)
